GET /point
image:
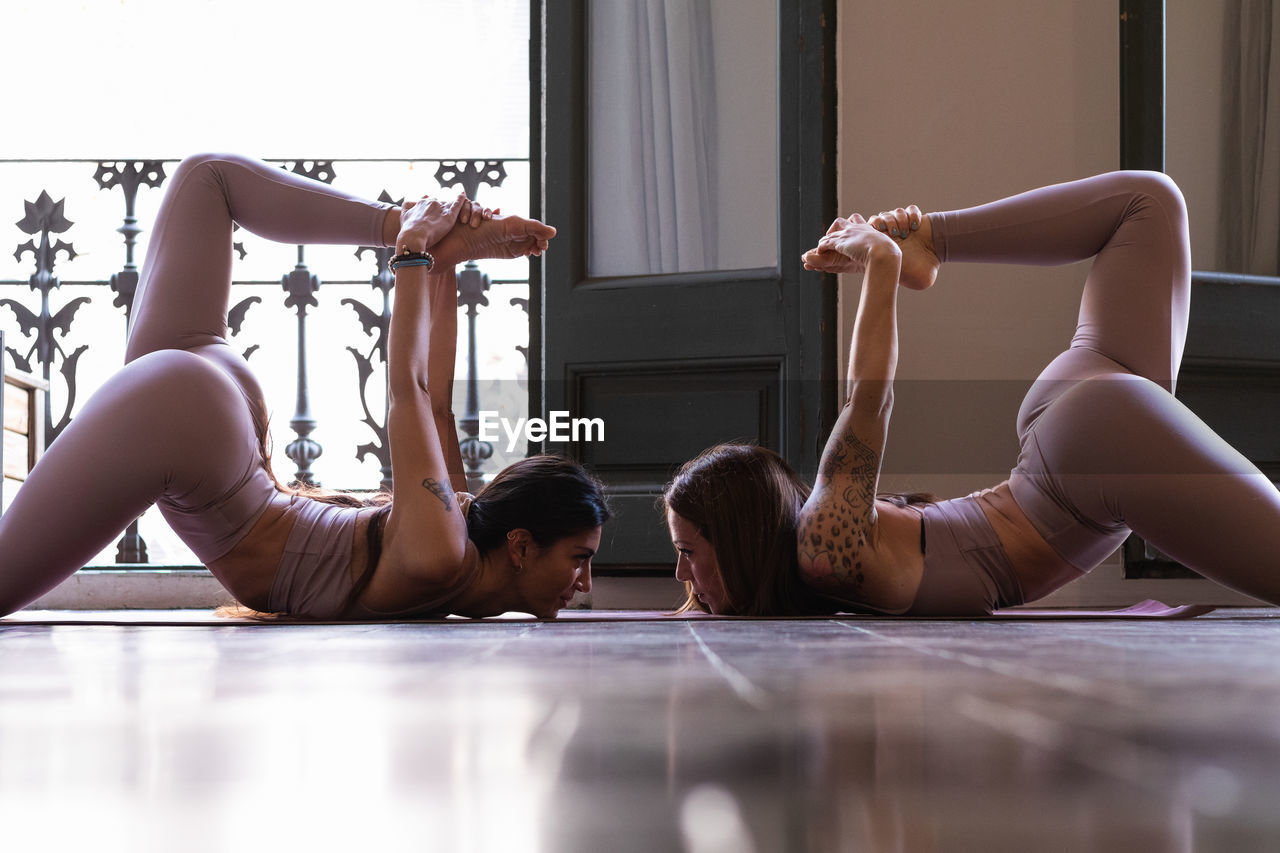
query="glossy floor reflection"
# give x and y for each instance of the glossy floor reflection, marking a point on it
(644, 736)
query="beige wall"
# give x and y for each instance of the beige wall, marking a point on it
(948, 105)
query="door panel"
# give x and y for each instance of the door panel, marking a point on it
(658, 415)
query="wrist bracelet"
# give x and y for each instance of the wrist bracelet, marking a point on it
(411, 259)
(412, 263)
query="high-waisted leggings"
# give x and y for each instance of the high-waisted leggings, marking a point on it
(180, 424)
(1105, 446)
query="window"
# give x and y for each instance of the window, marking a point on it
(386, 94)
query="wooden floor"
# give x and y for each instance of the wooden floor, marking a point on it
(703, 736)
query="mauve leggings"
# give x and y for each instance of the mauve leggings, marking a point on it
(1106, 448)
(176, 425)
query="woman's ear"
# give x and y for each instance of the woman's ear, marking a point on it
(519, 547)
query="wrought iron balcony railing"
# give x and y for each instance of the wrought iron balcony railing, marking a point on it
(39, 312)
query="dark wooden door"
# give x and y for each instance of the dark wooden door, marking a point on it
(741, 348)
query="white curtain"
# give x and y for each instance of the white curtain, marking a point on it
(652, 122)
(1249, 238)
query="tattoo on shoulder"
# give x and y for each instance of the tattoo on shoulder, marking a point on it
(834, 534)
(435, 488)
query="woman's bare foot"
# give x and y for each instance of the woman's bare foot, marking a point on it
(493, 237)
(919, 262)
(914, 235)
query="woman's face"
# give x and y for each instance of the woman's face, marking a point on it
(551, 576)
(696, 562)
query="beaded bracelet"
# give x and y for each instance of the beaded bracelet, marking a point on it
(411, 259)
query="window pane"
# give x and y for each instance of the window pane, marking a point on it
(384, 78)
(682, 136)
(1223, 117)
(385, 91)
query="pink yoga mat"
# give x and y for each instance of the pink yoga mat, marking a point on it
(1149, 609)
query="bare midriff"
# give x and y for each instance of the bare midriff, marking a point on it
(1039, 568)
(249, 568)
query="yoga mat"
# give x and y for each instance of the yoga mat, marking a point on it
(1149, 609)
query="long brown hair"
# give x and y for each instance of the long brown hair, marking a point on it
(745, 501)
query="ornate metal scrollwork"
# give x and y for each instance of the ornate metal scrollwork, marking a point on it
(523, 304)
(317, 170)
(375, 325)
(301, 286)
(472, 286)
(129, 176)
(237, 246)
(44, 217)
(38, 341)
(235, 319)
(471, 174)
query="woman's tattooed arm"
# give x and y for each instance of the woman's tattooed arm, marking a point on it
(836, 534)
(838, 518)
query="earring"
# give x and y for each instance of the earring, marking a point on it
(520, 568)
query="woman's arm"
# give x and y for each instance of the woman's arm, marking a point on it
(443, 348)
(838, 522)
(425, 539)
(441, 360)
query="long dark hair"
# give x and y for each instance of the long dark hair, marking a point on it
(550, 496)
(745, 500)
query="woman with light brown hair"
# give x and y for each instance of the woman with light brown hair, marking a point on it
(736, 505)
(1106, 447)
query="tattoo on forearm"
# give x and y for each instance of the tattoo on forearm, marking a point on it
(440, 492)
(835, 531)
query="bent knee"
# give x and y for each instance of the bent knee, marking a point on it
(205, 161)
(202, 158)
(1159, 187)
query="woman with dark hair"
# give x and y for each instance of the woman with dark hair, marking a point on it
(183, 425)
(1106, 447)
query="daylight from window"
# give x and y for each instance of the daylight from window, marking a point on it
(385, 89)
